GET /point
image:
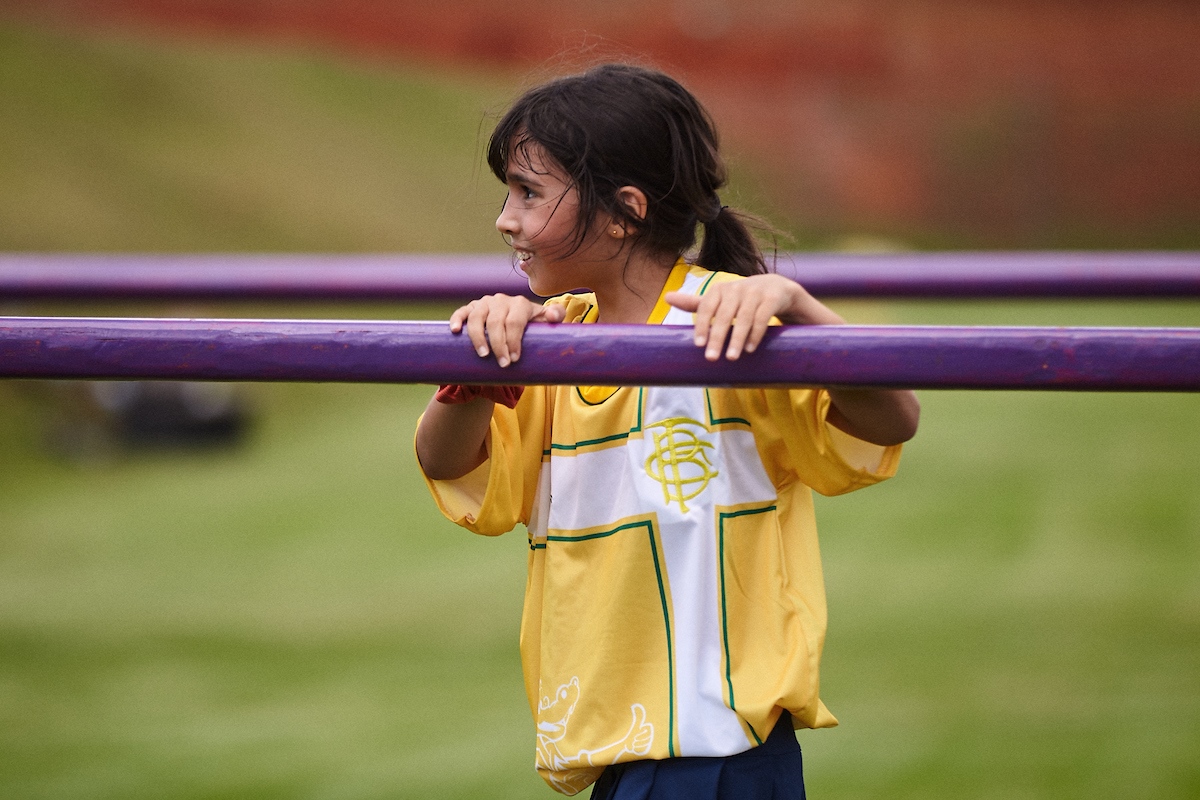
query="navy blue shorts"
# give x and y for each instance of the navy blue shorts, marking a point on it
(771, 771)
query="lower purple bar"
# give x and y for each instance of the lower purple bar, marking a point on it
(460, 277)
(1118, 359)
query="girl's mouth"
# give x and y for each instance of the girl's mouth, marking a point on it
(523, 257)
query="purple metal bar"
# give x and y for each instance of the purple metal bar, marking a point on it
(996, 275)
(457, 277)
(257, 277)
(1128, 359)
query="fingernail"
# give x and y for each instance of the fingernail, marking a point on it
(483, 351)
(502, 361)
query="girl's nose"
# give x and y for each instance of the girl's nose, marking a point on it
(506, 223)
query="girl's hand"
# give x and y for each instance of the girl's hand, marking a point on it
(741, 312)
(496, 323)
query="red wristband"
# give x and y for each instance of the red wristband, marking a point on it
(457, 393)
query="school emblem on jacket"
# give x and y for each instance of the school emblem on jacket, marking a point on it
(554, 712)
(680, 462)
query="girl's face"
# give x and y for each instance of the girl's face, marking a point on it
(540, 219)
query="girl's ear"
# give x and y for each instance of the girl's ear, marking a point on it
(634, 200)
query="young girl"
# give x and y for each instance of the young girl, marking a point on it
(675, 611)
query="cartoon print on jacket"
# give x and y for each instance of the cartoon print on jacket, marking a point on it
(555, 711)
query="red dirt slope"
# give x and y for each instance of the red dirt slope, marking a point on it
(1004, 122)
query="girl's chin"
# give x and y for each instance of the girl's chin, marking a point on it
(542, 291)
(544, 288)
(545, 280)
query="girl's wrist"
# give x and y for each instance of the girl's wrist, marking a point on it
(458, 394)
(808, 310)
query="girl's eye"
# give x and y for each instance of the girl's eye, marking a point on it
(527, 193)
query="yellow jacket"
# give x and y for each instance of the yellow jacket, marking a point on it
(675, 601)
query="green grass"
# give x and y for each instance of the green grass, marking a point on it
(1017, 614)
(289, 619)
(114, 141)
(121, 142)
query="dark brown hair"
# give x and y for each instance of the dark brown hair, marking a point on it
(619, 125)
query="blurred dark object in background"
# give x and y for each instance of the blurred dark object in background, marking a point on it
(172, 414)
(95, 420)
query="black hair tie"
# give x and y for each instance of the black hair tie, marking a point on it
(712, 215)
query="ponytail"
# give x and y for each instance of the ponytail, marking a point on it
(729, 244)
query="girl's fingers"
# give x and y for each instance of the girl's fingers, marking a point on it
(745, 313)
(476, 329)
(496, 324)
(497, 333)
(514, 330)
(702, 312)
(555, 313)
(719, 323)
(682, 301)
(762, 322)
(506, 326)
(736, 316)
(459, 317)
(737, 337)
(733, 318)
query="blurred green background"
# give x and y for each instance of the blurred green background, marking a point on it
(1017, 614)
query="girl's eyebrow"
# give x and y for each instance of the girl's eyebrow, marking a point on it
(519, 176)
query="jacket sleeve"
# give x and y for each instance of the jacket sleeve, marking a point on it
(499, 493)
(800, 440)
